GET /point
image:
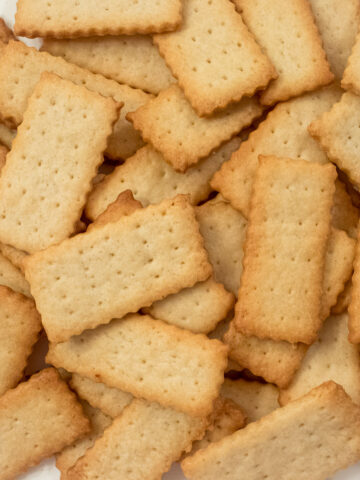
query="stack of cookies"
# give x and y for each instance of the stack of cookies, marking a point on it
(179, 208)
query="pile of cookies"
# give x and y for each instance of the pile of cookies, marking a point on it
(179, 208)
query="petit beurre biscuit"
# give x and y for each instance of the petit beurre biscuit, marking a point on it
(284, 252)
(20, 326)
(151, 179)
(171, 125)
(331, 357)
(338, 25)
(111, 401)
(37, 419)
(133, 60)
(122, 453)
(41, 18)
(293, 46)
(73, 299)
(214, 57)
(25, 65)
(174, 367)
(256, 399)
(61, 119)
(337, 131)
(319, 422)
(283, 133)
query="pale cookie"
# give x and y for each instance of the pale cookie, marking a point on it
(174, 367)
(124, 205)
(37, 419)
(354, 307)
(350, 80)
(133, 60)
(142, 443)
(276, 362)
(150, 254)
(20, 326)
(12, 277)
(284, 252)
(344, 214)
(170, 124)
(83, 18)
(7, 135)
(294, 46)
(331, 357)
(71, 454)
(337, 131)
(305, 439)
(343, 300)
(338, 25)
(151, 179)
(224, 231)
(256, 399)
(214, 56)
(111, 401)
(20, 70)
(198, 309)
(226, 418)
(283, 133)
(61, 119)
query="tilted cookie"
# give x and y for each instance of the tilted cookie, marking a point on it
(61, 119)
(256, 399)
(111, 401)
(309, 433)
(285, 249)
(283, 133)
(71, 454)
(344, 215)
(150, 359)
(20, 70)
(20, 326)
(338, 26)
(145, 431)
(337, 131)
(171, 125)
(37, 419)
(343, 300)
(151, 179)
(350, 80)
(331, 357)
(354, 307)
(133, 60)
(294, 46)
(150, 254)
(7, 135)
(40, 18)
(13, 277)
(224, 230)
(199, 308)
(214, 56)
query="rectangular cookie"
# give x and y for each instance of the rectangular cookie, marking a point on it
(294, 47)
(151, 179)
(337, 131)
(20, 326)
(331, 357)
(285, 248)
(70, 455)
(37, 419)
(150, 254)
(20, 70)
(171, 125)
(224, 231)
(283, 133)
(7, 135)
(61, 119)
(214, 56)
(111, 401)
(256, 399)
(141, 443)
(133, 60)
(338, 25)
(40, 18)
(150, 359)
(309, 433)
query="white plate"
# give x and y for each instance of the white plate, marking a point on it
(47, 470)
